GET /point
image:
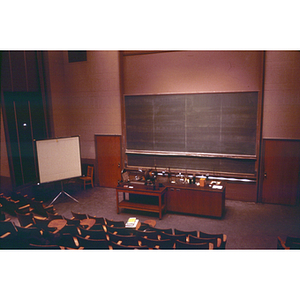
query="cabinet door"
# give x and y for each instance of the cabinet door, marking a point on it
(175, 200)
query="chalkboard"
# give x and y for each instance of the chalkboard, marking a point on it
(222, 125)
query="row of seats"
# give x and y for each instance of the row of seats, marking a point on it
(34, 231)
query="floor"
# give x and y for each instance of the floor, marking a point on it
(248, 225)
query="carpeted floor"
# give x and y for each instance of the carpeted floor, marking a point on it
(248, 225)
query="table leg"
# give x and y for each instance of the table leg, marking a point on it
(159, 199)
(117, 196)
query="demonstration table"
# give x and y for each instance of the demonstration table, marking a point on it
(142, 197)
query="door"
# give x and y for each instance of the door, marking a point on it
(109, 159)
(281, 171)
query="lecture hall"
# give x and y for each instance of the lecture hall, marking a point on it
(107, 149)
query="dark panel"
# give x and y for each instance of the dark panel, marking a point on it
(242, 166)
(6, 72)
(77, 56)
(18, 71)
(204, 123)
(32, 71)
(139, 123)
(219, 123)
(169, 123)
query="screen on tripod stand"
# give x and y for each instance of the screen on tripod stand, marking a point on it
(58, 159)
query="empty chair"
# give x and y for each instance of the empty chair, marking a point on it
(87, 243)
(7, 226)
(92, 234)
(148, 234)
(68, 241)
(128, 240)
(41, 222)
(79, 216)
(97, 227)
(40, 208)
(173, 237)
(69, 229)
(72, 221)
(99, 220)
(115, 223)
(166, 230)
(44, 247)
(53, 216)
(116, 246)
(215, 241)
(196, 246)
(156, 244)
(8, 235)
(222, 236)
(88, 179)
(28, 235)
(25, 219)
(24, 209)
(187, 232)
(120, 230)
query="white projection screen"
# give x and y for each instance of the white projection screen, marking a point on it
(58, 159)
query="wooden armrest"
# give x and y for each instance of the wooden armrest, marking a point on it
(210, 246)
(5, 235)
(28, 225)
(224, 237)
(282, 243)
(219, 242)
(25, 206)
(76, 241)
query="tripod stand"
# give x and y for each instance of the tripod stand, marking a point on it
(63, 192)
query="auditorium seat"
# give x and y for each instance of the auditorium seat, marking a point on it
(195, 246)
(222, 236)
(156, 244)
(79, 216)
(114, 223)
(128, 240)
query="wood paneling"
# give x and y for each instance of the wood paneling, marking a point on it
(281, 169)
(108, 149)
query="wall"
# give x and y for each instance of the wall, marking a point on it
(85, 97)
(281, 114)
(5, 180)
(192, 72)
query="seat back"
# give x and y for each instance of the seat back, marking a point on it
(116, 246)
(90, 171)
(187, 246)
(222, 236)
(92, 234)
(173, 237)
(115, 223)
(92, 243)
(187, 233)
(79, 216)
(214, 240)
(166, 230)
(24, 219)
(128, 240)
(99, 220)
(156, 244)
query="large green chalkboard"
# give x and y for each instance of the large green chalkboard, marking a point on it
(222, 125)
